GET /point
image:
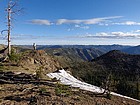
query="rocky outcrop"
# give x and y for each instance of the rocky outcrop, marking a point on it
(38, 60)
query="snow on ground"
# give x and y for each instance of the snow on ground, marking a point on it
(67, 79)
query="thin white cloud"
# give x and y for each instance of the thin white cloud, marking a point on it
(70, 29)
(75, 21)
(129, 23)
(82, 27)
(104, 24)
(137, 31)
(66, 21)
(102, 34)
(86, 21)
(126, 34)
(114, 35)
(77, 26)
(40, 22)
(25, 36)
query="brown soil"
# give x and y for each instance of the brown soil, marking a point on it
(26, 89)
(29, 94)
(38, 59)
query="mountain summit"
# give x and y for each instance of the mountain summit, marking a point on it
(118, 60)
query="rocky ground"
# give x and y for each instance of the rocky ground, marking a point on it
(26, 89)
(23, 82)
(30, 94)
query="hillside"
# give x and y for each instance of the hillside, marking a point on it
(24, 81)
(121, 69)
(132, 50)
(2, 46)
(118, 60)
(75, 53)
(24, 89)
(103, 48)
(30, 62)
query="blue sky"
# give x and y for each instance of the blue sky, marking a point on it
(83, 22)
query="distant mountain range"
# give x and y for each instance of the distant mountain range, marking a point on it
(102, 48)
(85, 54)
(132, 50)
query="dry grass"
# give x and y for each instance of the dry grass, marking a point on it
(30, 94)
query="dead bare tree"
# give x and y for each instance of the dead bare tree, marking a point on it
(11, 10)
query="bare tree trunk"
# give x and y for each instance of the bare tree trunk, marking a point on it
(11, 9)
(9, 29)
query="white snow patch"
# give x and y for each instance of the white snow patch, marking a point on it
(67, 79)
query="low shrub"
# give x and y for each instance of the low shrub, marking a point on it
(62, 90)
